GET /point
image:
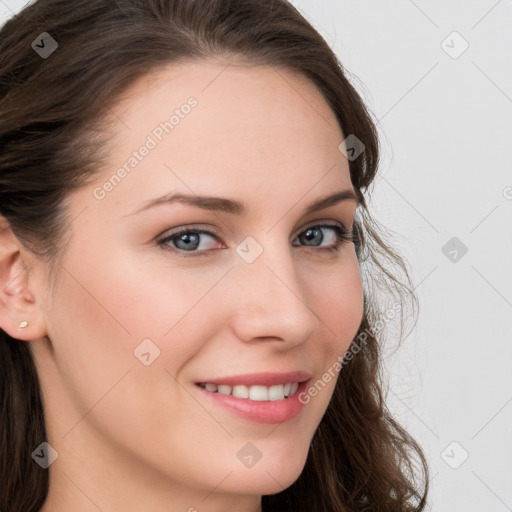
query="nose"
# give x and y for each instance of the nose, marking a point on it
(270, 302)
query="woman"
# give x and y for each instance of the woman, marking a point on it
(184, 239)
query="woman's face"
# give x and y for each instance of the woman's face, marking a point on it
(138, 319)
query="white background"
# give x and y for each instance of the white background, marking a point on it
(444, 120)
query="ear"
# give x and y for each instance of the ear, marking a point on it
(17, 298)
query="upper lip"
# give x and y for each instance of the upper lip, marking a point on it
(260, 379)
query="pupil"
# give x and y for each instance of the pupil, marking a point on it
(188, 239)
(313, 233)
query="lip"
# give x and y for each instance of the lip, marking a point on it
(267, 411)
(261, 379)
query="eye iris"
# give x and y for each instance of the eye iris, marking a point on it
(313, 233)
(190, 239)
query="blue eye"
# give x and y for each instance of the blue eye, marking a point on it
(185, 239)
(188, 240)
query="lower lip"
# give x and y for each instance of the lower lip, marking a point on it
(267, 411)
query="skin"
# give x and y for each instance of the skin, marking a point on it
(141, 438)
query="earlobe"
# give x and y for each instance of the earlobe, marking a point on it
(20, 316)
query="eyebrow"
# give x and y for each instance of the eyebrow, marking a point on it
(221, 204)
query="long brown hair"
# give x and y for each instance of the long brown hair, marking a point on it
(51, 109)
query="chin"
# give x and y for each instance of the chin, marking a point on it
(272, 475)
(263, 483)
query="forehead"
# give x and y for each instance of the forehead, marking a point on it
(232, 123)
(222, 82)
(231, 97)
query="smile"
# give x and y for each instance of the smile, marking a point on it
(256, 393)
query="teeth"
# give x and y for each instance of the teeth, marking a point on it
(276, 392)
(224, 390)
(255, 393)
(240, 391)
(259, 393)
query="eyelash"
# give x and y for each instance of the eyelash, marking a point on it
(342, 235)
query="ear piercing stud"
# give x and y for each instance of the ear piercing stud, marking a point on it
(23, 324)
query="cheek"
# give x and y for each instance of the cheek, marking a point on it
(339, 303)
(92, 342)
(97, 321)
(346, 309)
